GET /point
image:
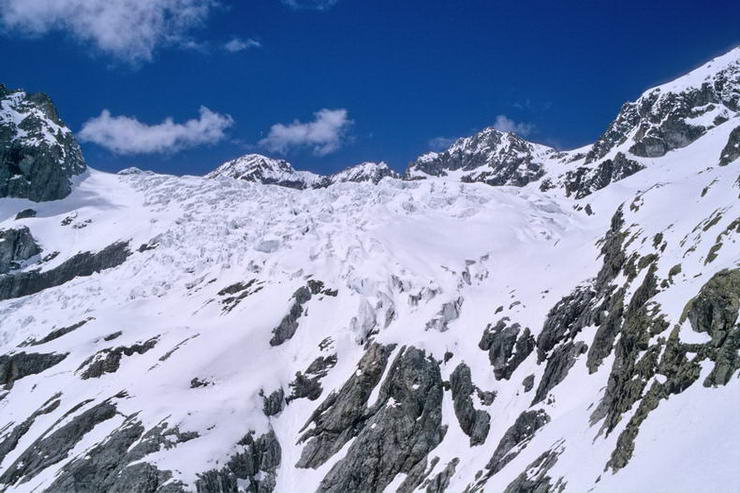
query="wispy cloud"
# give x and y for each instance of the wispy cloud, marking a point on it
(310, 4)
(129, 30)
(127, 135)
(237, 44)
(324, 135)
(506, 124)
(440, 143)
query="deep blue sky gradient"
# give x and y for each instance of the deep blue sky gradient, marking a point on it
(406, 70)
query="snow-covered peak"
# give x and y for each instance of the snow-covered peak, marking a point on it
(364, 172)
(727, 65)
(39, 152)
(490, 156)
(266, 170)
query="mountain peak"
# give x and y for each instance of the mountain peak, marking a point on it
(269, 171)
(490, 156)
(367, 171)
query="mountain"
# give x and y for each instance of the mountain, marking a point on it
(261, 169)
(257, 168)
(576, 330)
(38, 153)
(490, 156)
(364, 172)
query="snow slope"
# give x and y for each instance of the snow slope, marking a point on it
(235, 347)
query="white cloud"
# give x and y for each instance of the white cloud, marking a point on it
(238, 44)
(440, 143)
(505, 124)
(127, 135)
(130, 30)
(310, 4)
(325, 134)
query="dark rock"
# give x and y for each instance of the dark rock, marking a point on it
(440, 482)
(15, 366)
(256, 464)
(25, 213)
(80, 265)
(507, 349)
(16, 245)
(474, 423)
(289, 324)
(114, 465)
(309, 385)
(53, 447)
(535, 478)
(584, 180)
(732, 150)
(10, 440)
(528, 383)
(39, 155)
(108, 360)
(197, 383)
(274, 403)
(559, 363)
(343, 414)
(57, 333)
(236, 293)
(515, 439)
(398, 432)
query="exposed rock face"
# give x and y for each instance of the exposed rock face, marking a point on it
(663, 118)
(256, 464)
(584, 180)
(732, 150)
(343, 414)
(309, 384)
(535, 478)
(57, 333)
(507, 349)
(54, 447)
(16, 245)
(398, 431)
(274, 403)
(490, 156)
(289, 324)
(475, 423)
(10, 440)
(114, 465)
(38, 153)
(108, 360)
(80, 265)
(15, 366)
(558, 364)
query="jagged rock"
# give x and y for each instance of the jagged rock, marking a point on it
(565, 320)
(528, 383)
(515, 439)
(108, 360)
(25, 213)
(397, 432)
(16, 245)
(289, 323)
(80, 265)
(440, 482)
(474, 423)
(38, 153)
(342, 414)
(535, 478)
(450, 311)
(559, 363)
(10, 440)
(584, 180)
(507, 349)
(53, 447)
(235, 293)
(274, 403)
(57, 333)
(114, 465)
(256, 464)
(490, 156)
(15, 366)
(309, 385)
(732, 150)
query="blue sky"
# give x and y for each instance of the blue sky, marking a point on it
(327, 84)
